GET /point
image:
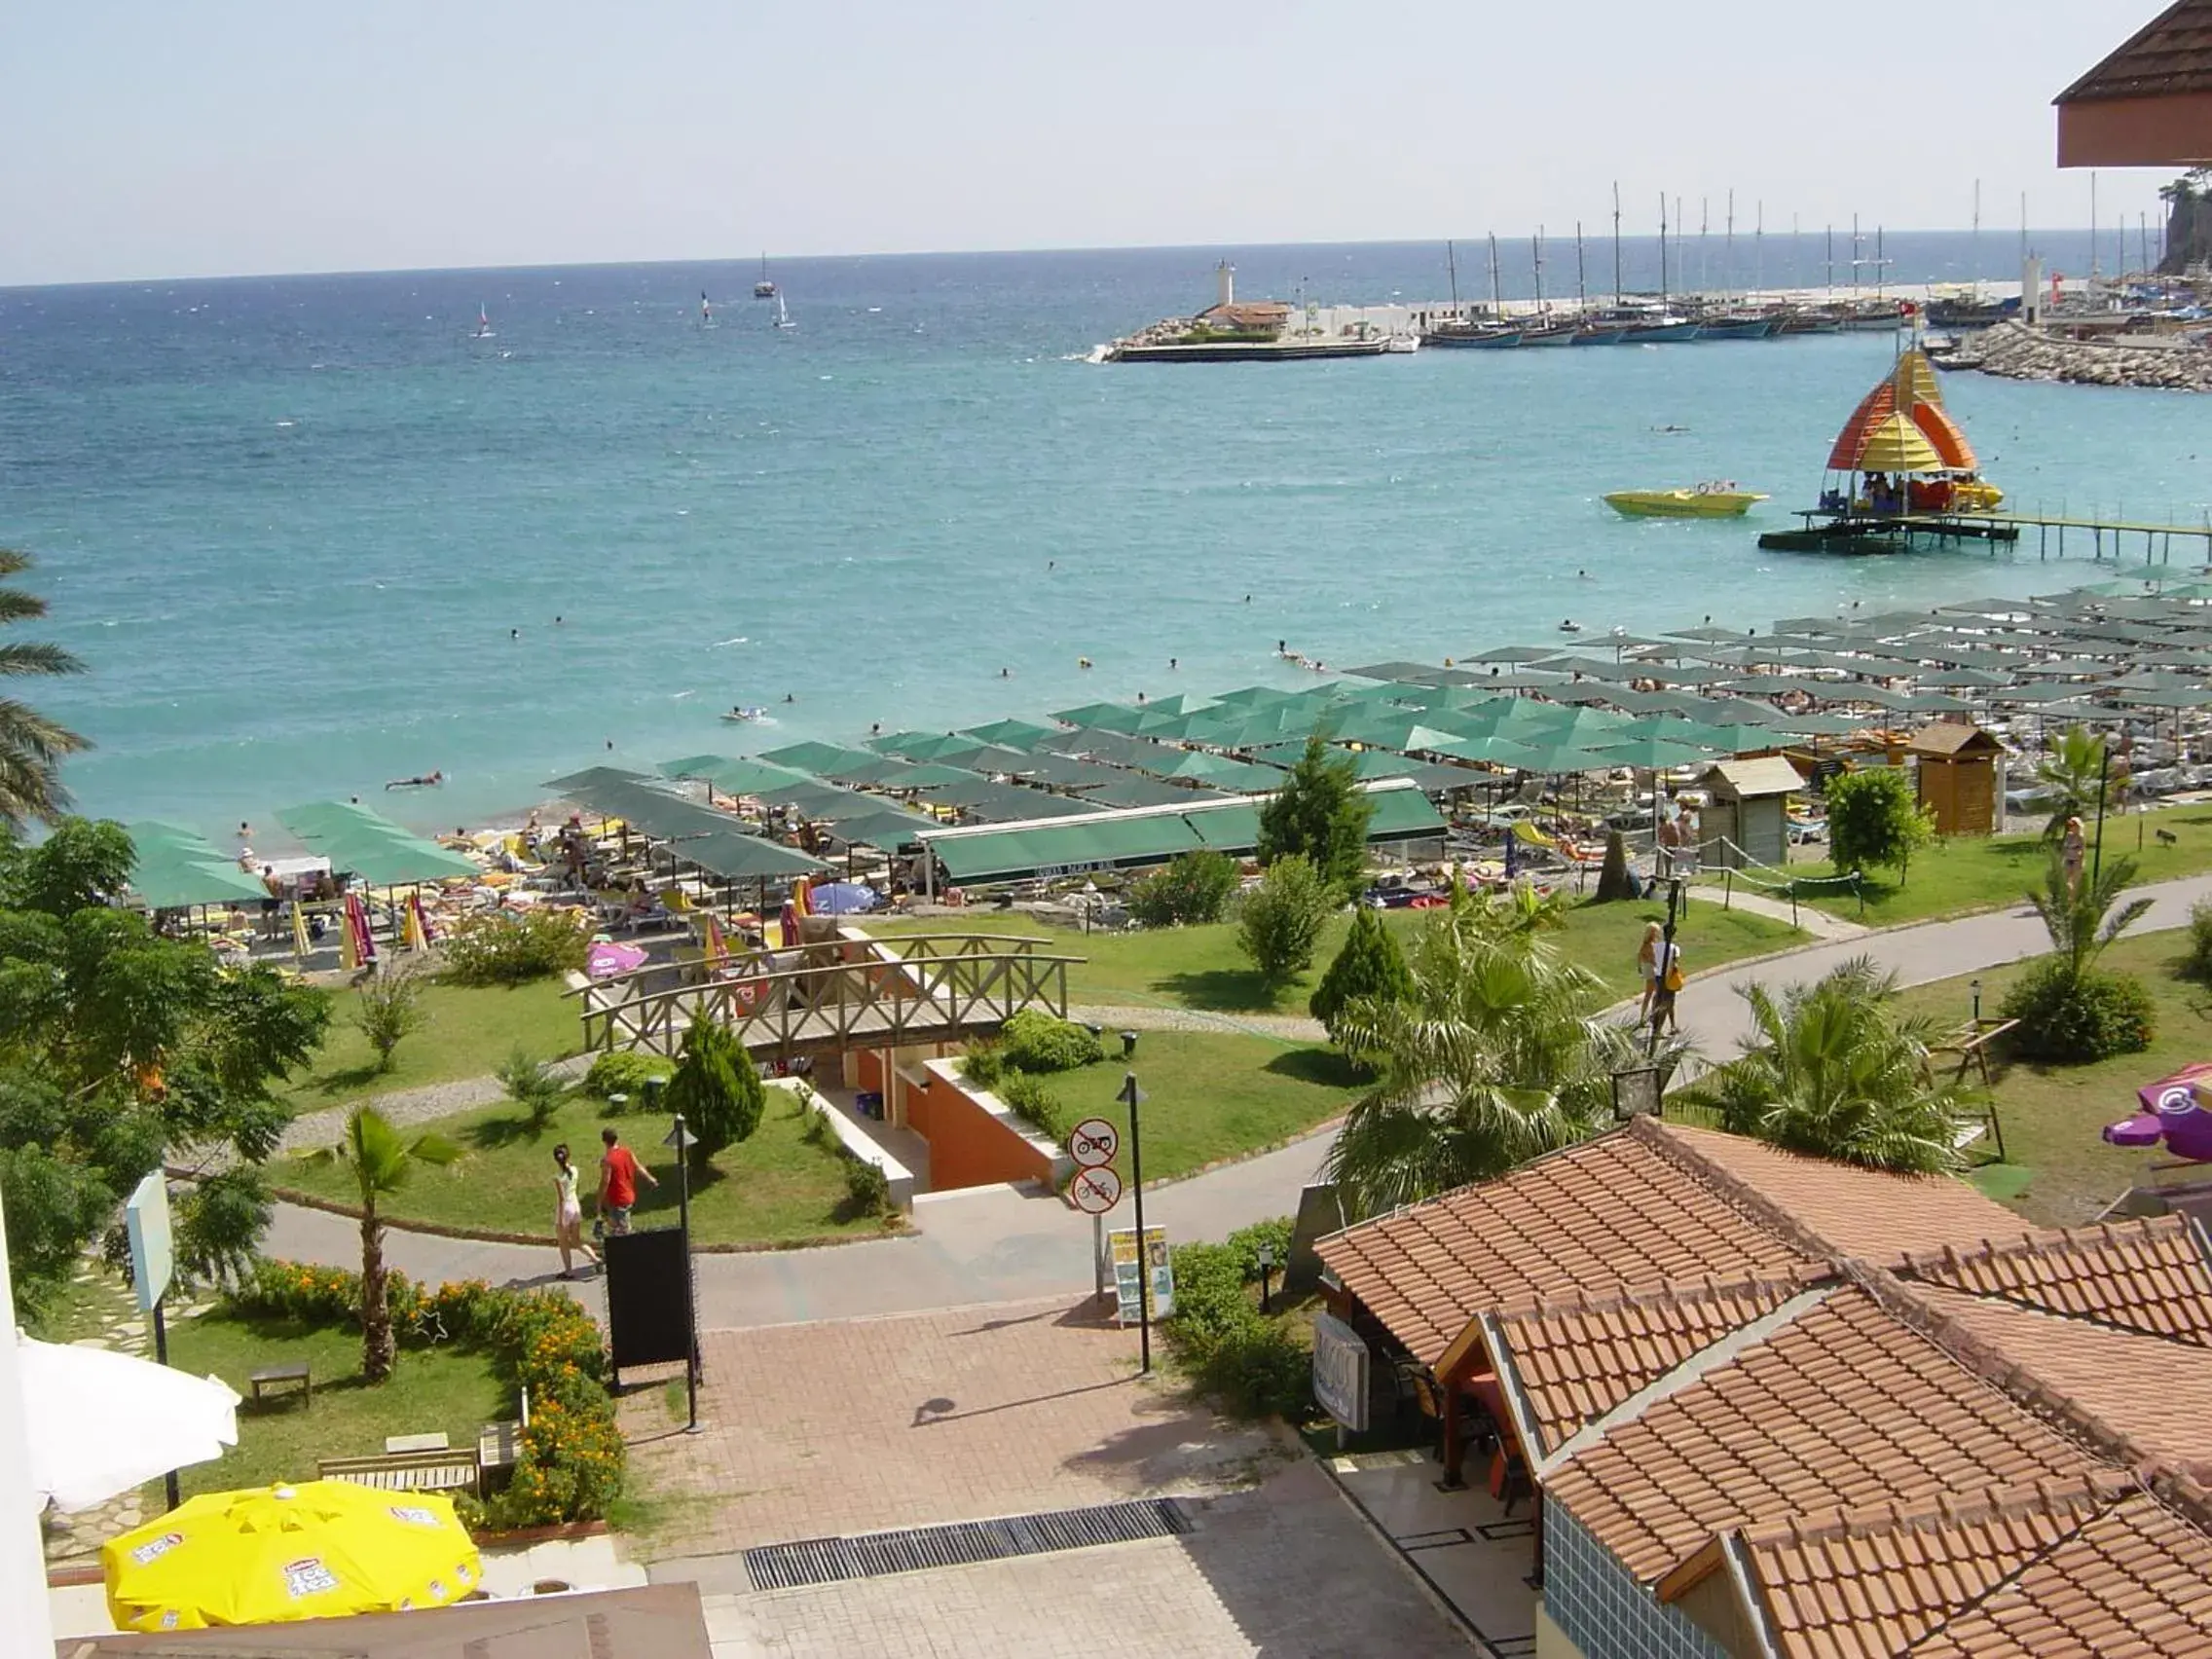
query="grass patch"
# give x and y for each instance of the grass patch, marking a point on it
(777, 1187)
(1202, 968)
(446, 1387)
(2059, 1172)
(1980, 873)
(467, 1032)
(1210, 1096)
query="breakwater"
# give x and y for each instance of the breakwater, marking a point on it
(2017, 352)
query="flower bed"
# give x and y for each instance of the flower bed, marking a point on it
(569, 1466)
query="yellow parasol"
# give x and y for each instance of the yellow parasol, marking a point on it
(323, 1549)
(1896, 444)
(299, 932)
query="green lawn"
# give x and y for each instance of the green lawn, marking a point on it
(777, 1187)
(1975, 873)
(468, 1032)
(2059, 1172)
(1210, 1096)
(1202, 968)
(444, 1388)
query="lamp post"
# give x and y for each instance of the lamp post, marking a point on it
(1976, 987)
(1133, 1097)
(1267, 1267)
(680, 1138)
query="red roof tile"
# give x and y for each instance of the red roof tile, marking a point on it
(2151, 1276)
(1843, 1406)
(2171, 54)
(1611, 1215)
(2133, 1583)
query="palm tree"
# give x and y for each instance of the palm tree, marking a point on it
(383, 1161)
(2071, 775)
(1832, 1071)
(1497, 1056)
(31, 746)
(2079, 916)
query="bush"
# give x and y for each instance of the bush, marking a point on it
(1031, 1099)
(1369, 965)
(624, 1070)
(512, 947)
(1319, 814)
(1034, 1041)
(868, 1190)
(1282, 920)
(1615, 881)
(389, 1010)
(2076, 1018)
(984, 1064)
(1873, 821)
(1251, 1364)
(2197, 964)
(716, 1088)
(1193, 888)
(571, 1460)
(533, 1085)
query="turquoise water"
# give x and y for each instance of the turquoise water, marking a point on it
(290, 524)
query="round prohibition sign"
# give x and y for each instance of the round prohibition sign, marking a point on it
(1094, 1142)
(1095, 1192)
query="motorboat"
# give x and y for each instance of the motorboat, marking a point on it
(1401, 345)
(1705, 500)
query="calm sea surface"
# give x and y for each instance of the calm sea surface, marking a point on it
(290, 523)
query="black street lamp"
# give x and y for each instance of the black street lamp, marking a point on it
(1267, 1267)
(681, 1139)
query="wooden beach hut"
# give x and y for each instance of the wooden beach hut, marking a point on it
(1957, 763)
(1748, 821)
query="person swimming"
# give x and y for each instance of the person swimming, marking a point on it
(423, 781)
(1083, 662)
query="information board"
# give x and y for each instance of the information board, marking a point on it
(1132, 1269)
(153, 1257)
(1341, 1365)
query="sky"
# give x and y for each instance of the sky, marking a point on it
(233, 136)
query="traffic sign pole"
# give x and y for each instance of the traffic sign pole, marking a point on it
(1131, 1094)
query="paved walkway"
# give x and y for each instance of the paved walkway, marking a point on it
(1807, 918)
(1001, 1245)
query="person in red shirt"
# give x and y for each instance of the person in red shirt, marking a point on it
(619, 1173)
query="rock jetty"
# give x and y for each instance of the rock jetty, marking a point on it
(2018, 351)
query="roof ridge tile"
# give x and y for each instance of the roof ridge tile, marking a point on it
(2093, 1490)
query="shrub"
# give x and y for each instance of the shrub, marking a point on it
(1194, 888)
(1251, 1364)
(511, 948)
(984, 1064)
(571, 1460)
(1282, 920)
(1369, 965)
(389, 1010)
(1322, 815)
(1031, 1099)
(2197, 964)
(1034, 1041)
(624, 1070)
(2077, 1016)
(533, 1085)
(868, 1190)
(1615, 881)
(1873, 820)
(716, 1088)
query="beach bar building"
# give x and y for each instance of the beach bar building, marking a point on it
(2149, 103)
(1768, 1406)
(1958, 776)
(1748, 820)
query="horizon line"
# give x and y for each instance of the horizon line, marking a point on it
(10, 287)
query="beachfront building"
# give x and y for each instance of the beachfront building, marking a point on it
(2149, 103)
(1765, 1405)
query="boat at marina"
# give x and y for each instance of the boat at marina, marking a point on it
(1490, 337)
(765, 288)
(1661, 332)
(1735, 328)
(1704, 500)
(1401, 345)
(1551, 334)
(1599, 335)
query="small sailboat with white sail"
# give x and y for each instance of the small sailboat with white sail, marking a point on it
(705, 311)
(483, 328)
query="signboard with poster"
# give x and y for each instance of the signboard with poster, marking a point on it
(1130, 1271)
(1341, 1365)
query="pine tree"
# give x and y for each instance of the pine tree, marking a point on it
(717, 1090)
(1321, 814)
(1369, 965)
(1614, 881)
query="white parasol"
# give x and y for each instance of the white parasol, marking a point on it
(101, 1422)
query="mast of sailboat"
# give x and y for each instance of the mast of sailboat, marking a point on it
(1452, 266)
(1831, 261)
(1496, 302)
(1728, 251)
(1704, 235)
(1857, 243)
(2094, 272)
(1662, 250)
(1881, 265)
(1616, 243)
(1540, 269)
(1758, 250)
(1975, 254)
(1681, 259)
(1582, 294)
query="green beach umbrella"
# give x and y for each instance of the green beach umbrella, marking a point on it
(1653, 754)
(1252, 697)
(926, 746)
(692, 766)
(815, 757)
(1102, 716)
(1015, 734)
(1818, 725)
(752, 777)
(1181, 702)
(899, 742)
(883, 770)
(937, 775)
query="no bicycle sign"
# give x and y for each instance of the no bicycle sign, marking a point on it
(1095, 1192)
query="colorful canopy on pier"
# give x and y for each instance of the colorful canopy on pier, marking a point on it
(1905, 405)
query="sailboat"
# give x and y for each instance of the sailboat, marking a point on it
(783, 316)
(705, 311)
(765, 289)
(483, 329)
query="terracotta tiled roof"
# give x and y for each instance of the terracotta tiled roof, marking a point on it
(1578, 1359)
(2130, 1584)
(1855, 1212)
(1612, 1214)
(2171, 54)
(2156, 1394)
(1842, 1407)
(2151, 1276)
(1868, 1583)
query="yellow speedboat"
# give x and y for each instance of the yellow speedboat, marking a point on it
(1707, 500)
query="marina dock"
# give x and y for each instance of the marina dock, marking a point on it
(1828, 531)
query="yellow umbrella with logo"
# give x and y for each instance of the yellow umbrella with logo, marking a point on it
(322, 1549)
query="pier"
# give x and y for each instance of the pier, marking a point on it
(1829, 531)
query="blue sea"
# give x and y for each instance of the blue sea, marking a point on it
(310, 536)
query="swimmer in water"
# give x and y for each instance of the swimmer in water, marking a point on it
(1083, 662)
(1005, 674)
(425, 781)
(1173, 662)
(1582, 576)
(789, 698)
(514, 632)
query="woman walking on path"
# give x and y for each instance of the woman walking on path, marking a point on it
(1647, 968)
(568, 1214)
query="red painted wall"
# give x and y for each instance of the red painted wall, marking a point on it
(969, 1147)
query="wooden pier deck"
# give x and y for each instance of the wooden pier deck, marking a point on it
(1828, 530)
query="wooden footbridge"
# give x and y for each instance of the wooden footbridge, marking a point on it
(849, 992)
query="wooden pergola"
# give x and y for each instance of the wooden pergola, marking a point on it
(2149, 103)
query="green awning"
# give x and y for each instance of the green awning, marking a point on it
(692, 766)
(815, 757)
(749, 777)
(1014, 734)
(734, 856)
(368, 845)
(175, 868)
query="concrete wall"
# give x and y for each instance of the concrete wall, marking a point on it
(858, 1143)
(975, 1141)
